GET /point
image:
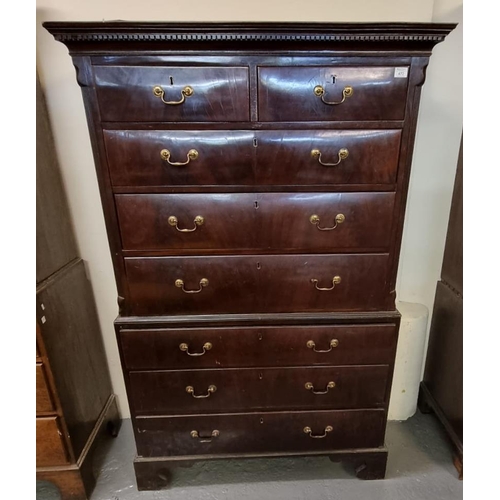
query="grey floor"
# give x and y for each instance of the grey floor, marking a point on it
(420, 468)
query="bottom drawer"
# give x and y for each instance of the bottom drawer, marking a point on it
(50, 449)
(259, 432)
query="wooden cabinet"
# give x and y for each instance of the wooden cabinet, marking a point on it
(75, 405)
(441, 390)
(254, 180)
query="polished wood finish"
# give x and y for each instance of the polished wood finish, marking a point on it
(225, 157)
(246, 158)
(284, 157)
(250, 251)
(259, 283)
(260, 432)
(442, 386)
(50, 447)
(258, 346)
(256, 222)
(250, 389)
(125, 93)
(287, 94)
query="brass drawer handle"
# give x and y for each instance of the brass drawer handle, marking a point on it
(320, 92)
(308, 430)
(311, 345)
(343, 154)
(187, 91)
(211, 390)
(335, 281)
(185, 348)
(310, 387)
(205, 439)
(198, 221)
(180, 284)
(165, 156)
(339, 219)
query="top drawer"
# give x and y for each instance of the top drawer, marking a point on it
(331, 93)
(172, 94)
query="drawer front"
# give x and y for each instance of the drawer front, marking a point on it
(138, 158)
(44, 402)
(257, 283)
(259, 432)
(50, 449)
(268, 222)
(126, 93)
(230, 390)
(254, 346)
(291, 93)
(328, 157)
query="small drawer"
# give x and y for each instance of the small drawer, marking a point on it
(327, 157)
(336, 93)
(244, 389)
(260, 432)
(50, 449)
(257, 283)
(172, 93)
(188, 348)
(265, 222)
(44, 402)
(173, 157)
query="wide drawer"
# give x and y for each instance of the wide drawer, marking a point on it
(172, 93)
(161, 157)
(266, 222)
(257, 283)
(185, 348)
(271, 157)
(50, 449)
(333, 93)
(44, 402)
(327, 157)
(246, 389)
(259, 432)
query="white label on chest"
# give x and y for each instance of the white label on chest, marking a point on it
(401, 72)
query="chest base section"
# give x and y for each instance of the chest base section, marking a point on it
(238, 387)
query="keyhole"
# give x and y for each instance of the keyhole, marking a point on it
(255, 143)
(261, 420)
(333, 78)
(171, 81)
(261, 376)
(258, 265)
(260, 336)
(256, 205)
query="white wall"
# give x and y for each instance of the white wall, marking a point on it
(437, 139)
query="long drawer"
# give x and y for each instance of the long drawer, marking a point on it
(247, 389)
(186, 348)
(247, 158)
(257, 283)
(172, 93)
(333, 93)
(266, 222)
(259, 432)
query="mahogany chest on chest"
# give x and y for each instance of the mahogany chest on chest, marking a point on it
(254, 179)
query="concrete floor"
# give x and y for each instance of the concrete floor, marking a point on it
(419, 468)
